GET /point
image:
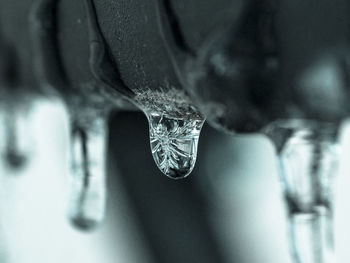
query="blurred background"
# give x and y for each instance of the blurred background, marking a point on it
(230, 209)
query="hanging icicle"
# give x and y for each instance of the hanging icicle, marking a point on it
(308, 156)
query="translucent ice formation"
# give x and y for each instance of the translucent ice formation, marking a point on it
(174, 143)
(308, 158)
(88, 180)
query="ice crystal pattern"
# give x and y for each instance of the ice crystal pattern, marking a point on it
(174, 144)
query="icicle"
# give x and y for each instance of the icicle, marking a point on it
(88, 175)
(174, 143)
(17, 149)
(17, 134)
(308, 164)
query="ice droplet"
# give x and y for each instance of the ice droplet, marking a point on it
(174, 143)
(88, 176)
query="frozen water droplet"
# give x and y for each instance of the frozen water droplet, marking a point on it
(88, 183)
(174, 143)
